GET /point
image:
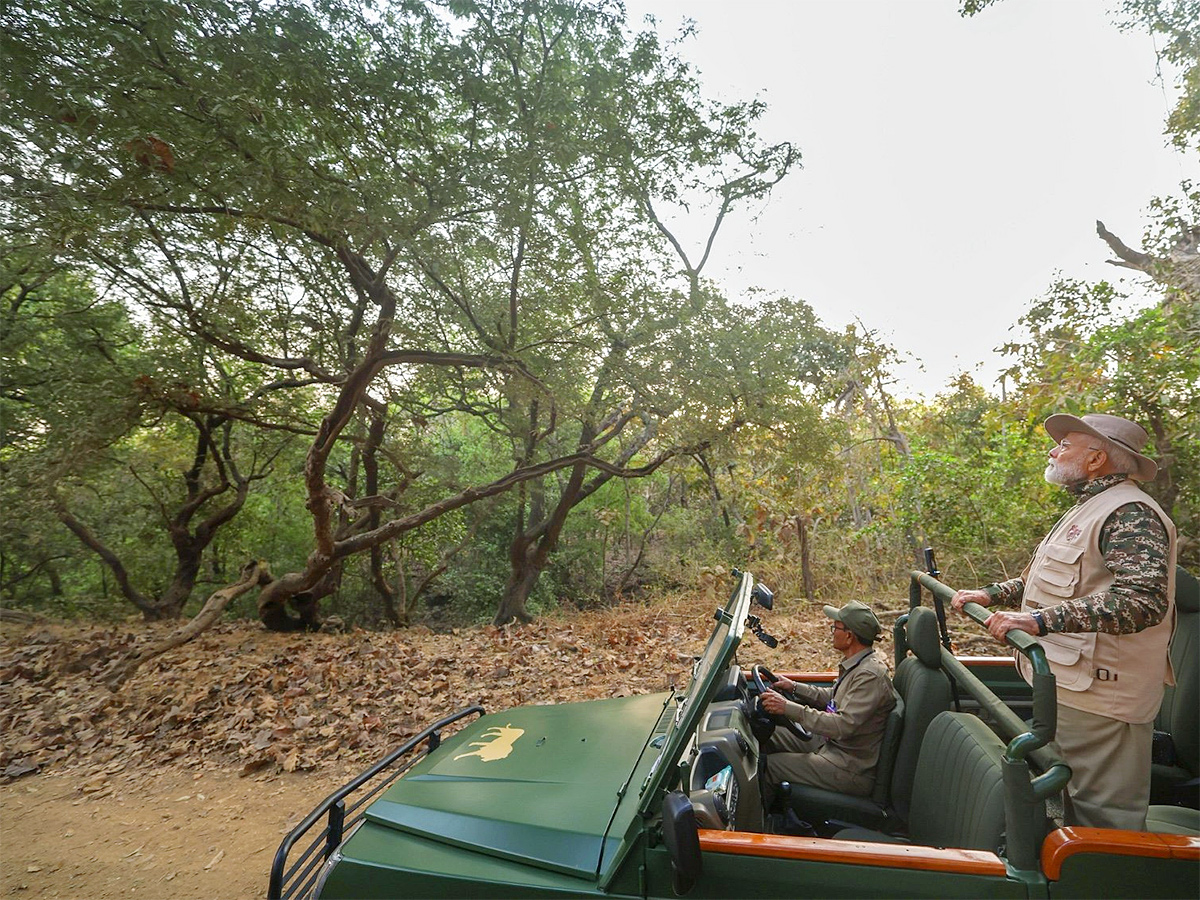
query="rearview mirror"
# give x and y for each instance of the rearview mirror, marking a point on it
(682, 837)
(763, 595)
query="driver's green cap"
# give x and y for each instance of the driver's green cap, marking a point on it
(858, 618)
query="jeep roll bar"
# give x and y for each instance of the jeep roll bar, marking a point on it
(1026, 743)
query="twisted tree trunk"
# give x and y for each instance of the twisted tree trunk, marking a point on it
(254, 573)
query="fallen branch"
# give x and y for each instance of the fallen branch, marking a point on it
(20, 616)
(254, 574)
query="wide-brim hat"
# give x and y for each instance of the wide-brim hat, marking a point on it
(1125, 434)
(858, 618)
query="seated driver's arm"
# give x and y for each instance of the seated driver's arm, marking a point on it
(816, 696)
(857, 699)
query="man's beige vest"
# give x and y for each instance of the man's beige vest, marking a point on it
(1120, 676)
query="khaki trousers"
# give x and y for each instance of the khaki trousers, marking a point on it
(1110, 770)
(802, 762)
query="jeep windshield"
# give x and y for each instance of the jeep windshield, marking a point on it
(709, 673)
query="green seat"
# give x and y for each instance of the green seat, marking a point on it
(1173, 820)
(958, 789)
(1176, 765)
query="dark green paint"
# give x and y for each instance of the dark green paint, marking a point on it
(572, 811)
(1090, 875)
(549, 803)
(381, 862)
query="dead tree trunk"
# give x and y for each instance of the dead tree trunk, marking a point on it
(806, 569)
(1178, 270)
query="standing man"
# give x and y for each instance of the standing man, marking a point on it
(1099, 594)
(846, 719)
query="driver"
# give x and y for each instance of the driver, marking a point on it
(846, 719)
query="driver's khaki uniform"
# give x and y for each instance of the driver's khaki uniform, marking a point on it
(845, 746)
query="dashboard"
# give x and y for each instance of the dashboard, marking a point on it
(722, 767)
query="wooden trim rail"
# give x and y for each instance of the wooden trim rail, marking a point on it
(854, 853)
(982, 662)
(810, 677)
(1064, 843)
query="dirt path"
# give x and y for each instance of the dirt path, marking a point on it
(170, 834)
(183, 785)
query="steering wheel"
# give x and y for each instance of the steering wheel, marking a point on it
(759, 672)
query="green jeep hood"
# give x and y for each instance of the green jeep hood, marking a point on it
(535, 784)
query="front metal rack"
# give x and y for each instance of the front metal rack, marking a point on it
(301, 878)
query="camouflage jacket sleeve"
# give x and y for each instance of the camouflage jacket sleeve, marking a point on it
(1006, 593)
(1136, 550)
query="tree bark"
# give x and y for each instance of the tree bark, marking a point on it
(370, 464)
(522, 579)
(254, 573)
(806, 569)
(718, 503)
(150, 610)
(530, 550)
(1178, 270)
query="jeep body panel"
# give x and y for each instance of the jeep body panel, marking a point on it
(568, 801)
(376, 859)
(537, 785)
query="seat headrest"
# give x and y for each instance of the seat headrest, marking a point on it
(1187, 591)
(921, 634)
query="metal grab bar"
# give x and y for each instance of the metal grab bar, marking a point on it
(1023, 741)
(301, 877)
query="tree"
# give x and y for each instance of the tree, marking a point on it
(404, 212)
(1087, 354)
(1172, 255)
(98, 419)
(58, 345)
(1178, 21)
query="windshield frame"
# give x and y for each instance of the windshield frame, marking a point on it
(708, 675)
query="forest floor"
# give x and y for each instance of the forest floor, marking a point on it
(183, 784)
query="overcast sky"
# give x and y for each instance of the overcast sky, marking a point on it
(950, 166)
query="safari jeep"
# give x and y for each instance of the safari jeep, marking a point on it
(659, 796)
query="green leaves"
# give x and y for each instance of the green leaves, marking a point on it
(1176, 27)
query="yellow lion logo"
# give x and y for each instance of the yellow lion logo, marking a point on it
(498, 743)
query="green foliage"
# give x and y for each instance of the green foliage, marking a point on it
(69, 360)
(417, 211)
(976, 482)
(974, 7)
(362, 260)
(1176, 27)
(1085, 355)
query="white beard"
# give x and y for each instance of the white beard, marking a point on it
(1071, 473)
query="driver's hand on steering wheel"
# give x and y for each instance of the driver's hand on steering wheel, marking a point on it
(774, 702)
(783, 685)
